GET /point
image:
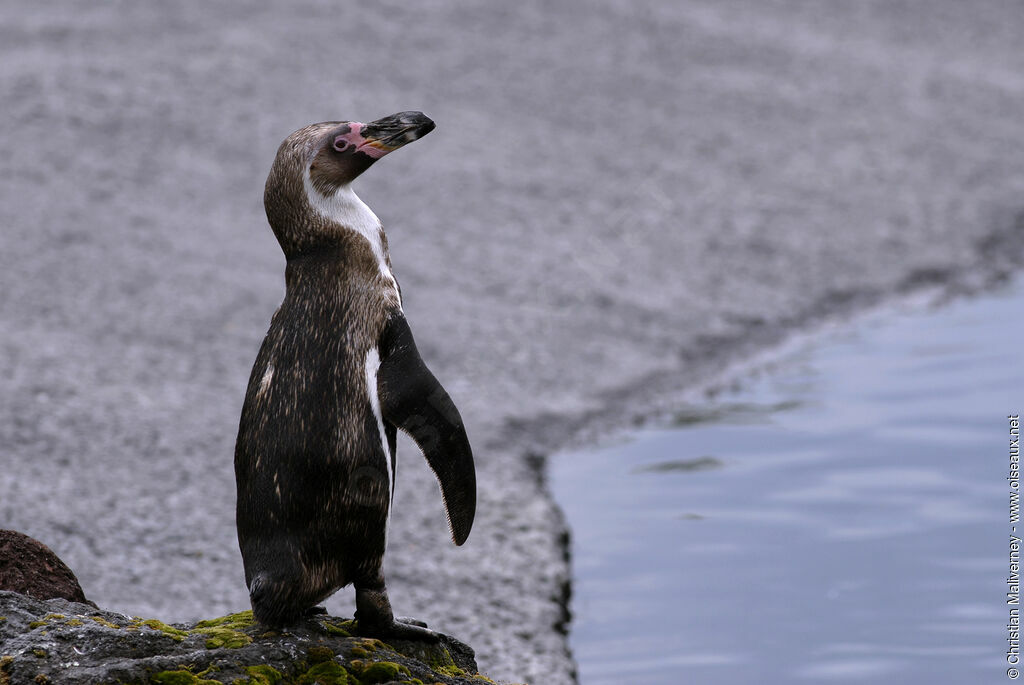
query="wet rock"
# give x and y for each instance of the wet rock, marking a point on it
(60, 641)
(31, 568)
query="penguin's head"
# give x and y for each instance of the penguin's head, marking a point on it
(315, 165)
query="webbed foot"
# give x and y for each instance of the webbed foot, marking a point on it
(397, 630)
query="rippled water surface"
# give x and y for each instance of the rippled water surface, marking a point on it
(842, 518)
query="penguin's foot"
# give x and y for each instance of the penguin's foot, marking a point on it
(397, 630)
(375, 619)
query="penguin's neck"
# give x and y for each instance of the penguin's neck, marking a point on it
(344, 209)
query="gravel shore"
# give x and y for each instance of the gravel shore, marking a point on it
(619, 198)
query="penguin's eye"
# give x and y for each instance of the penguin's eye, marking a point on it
(341, 141)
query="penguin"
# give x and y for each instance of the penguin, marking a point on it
(335, 378)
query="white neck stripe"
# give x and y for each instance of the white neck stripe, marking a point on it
(344, 208)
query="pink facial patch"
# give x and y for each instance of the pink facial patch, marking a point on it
(354, 138)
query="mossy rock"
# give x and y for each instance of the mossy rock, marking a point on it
(231, 649)
(260, 675)
(326, 673)
(383, 672)
(226, 631)
(180, 677)
(444, 663)
(339, 628)
(172, 632)
(237, 621)
(224, 638)
(320, 654)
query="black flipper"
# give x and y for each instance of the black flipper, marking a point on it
(412, 399)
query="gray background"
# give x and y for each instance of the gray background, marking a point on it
(619, 198)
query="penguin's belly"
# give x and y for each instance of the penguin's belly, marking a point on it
(312, 474)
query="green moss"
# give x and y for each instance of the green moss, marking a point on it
(358, 652)
(74, 622)
(237, 621)
(224, 637)
(440, 660)
(40, 653)
(382, 672)
(263, 675)
(176, 634)
(179, 677)
(327, 673)
(105, 623)
(226, 631)
(451, 670)
(343, 629)
(372, 644)
(46, 619)
(318, 654)
(41, 679)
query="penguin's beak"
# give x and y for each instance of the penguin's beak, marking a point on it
(390, 133)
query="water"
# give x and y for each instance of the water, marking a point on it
(841, 519)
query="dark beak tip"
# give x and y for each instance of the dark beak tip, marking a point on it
(412, 116)
(421, 121)
(400, 128)
(409, 118)
(418, 122)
